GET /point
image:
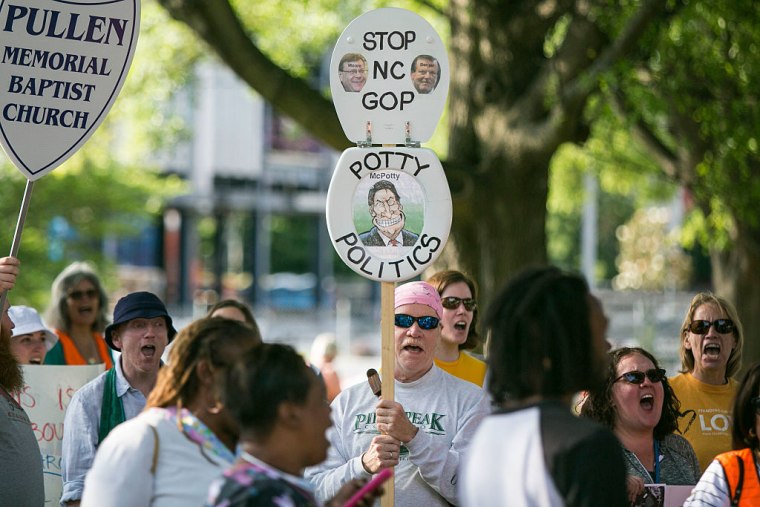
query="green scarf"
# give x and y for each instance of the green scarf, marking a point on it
(112, 413)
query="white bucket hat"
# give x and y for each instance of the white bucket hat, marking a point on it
(26, 320)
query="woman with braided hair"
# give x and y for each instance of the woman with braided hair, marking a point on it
(547, 342)
(170, 453)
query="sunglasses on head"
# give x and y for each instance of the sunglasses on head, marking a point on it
(426, 322)
(654, 375)
(78, 295)
(452, 303)
(723, 326)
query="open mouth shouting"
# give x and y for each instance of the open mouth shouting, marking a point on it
(711, 350)
(413, 347)
(148, 351)
(647, 402)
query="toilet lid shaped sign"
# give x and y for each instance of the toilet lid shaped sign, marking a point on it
(389, 77)
(388, 211)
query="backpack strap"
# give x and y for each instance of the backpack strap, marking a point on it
(738, 492)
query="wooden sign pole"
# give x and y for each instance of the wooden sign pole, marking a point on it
(387, 362)
(17, 235)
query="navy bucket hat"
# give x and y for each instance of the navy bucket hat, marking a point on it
(138, 305)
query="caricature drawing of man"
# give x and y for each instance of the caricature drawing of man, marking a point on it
(388, 218)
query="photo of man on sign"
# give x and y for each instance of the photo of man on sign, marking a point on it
(388, 218)
(352, 72)
(425, 73)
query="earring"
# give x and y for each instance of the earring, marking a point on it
(216, 407)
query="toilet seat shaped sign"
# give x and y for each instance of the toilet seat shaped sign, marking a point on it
(389, 211)
(389, 78)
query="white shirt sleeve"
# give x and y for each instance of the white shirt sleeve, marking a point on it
(711, 490)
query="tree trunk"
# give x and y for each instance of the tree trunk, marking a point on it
(736, 276)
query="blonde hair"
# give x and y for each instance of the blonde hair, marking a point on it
(728, 309)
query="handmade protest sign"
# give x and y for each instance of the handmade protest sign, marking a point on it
(45, 396)
(388, 211)
(389, 208)
(389, 77)
(62, 65)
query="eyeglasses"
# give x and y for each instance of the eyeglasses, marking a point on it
(756, 404)
(654, 375)
(354, 72)
(452, 303)
(723, 326)
(426, 322)
(78, 295)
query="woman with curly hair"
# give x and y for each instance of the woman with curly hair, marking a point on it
(637, 403)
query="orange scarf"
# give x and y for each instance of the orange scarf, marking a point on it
(72, 356)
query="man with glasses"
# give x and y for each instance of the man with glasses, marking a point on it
(352, 72)
(425, 73)
(21, 482)
(388, 218)
(423, 433)
(141, 330)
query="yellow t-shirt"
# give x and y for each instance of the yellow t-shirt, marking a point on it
(466, 367)
(710, 433)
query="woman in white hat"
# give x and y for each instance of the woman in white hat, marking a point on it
(31, 339)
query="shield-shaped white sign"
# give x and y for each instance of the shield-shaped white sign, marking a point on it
(389, 77)
(62, 65)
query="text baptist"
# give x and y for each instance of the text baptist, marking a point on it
(52, 88)
(66, 25)
(420, 254)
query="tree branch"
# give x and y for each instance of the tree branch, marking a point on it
(217, 24)
(664, 156)
(587, 82)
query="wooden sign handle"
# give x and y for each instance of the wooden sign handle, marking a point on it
(17, 238)
(387, 362)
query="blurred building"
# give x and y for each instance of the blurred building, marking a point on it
(250, 170)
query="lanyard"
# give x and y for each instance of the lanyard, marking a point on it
(656, 461)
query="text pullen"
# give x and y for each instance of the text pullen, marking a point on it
(68, 26)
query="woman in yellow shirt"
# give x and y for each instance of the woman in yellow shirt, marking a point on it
(458, 326)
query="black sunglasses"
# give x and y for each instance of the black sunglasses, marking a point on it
(452, 303)
(654, 375)
(426, 322)
(723, 326)
(78, 295)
